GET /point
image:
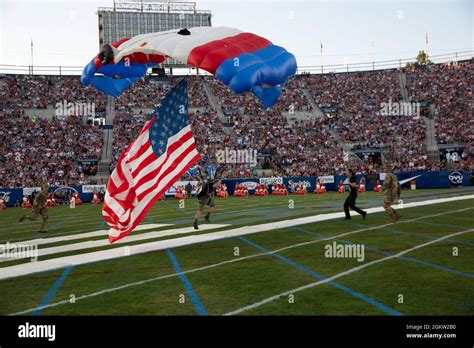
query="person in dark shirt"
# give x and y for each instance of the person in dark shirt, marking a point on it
(189, 188)
(101, 195)
(351, 199)
(204, 193)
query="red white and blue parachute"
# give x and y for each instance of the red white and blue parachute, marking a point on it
(243, 61)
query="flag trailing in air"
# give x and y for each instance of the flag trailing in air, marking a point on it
(149, 166)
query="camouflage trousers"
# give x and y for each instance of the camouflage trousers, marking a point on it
(38, 211)
(387, 205)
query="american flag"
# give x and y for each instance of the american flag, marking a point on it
(149, 166)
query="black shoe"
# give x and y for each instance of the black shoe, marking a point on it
(207, 219)
(195, 225)
(364, 215)
(42, 231)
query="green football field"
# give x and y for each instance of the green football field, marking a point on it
(258, 256)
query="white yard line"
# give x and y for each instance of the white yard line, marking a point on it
(141, 282)
(49, 240)
(105, 242)
(342, 274)
(74, 260)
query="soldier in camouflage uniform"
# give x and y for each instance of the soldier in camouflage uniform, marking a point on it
(39, 208)
(205, 189)
(391, 188)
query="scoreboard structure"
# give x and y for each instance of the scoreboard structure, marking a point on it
(128, 18)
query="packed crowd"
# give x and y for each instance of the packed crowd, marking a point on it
(197, 94)
(360, 120)
(206, 125)
(305, 147)
(147, 94)
(19, 92)
(35, 151)
(143, 94)
(292, 98)
(311, 150)
(354, 93)
(127, 125)
(449, 87)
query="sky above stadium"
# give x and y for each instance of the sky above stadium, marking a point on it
(66, 32)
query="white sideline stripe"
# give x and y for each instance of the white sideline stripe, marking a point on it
(141, 282)
(342, 274)
(74, 260)
(97, 233)
(105, 242)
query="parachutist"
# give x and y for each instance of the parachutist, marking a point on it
(245, 62)
(106, 54)
(184, 32)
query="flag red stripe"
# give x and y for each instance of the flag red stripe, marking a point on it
(171, 149)
(147, 208)
(141, 151)
(152, 175)
(129, 200)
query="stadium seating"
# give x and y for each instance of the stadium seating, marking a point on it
(34, 152)
(449, 88)
(298, 146)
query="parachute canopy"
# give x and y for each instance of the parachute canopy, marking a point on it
(245, 62)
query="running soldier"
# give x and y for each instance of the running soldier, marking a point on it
(391, 188)
(204, 191)
(39, 208)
